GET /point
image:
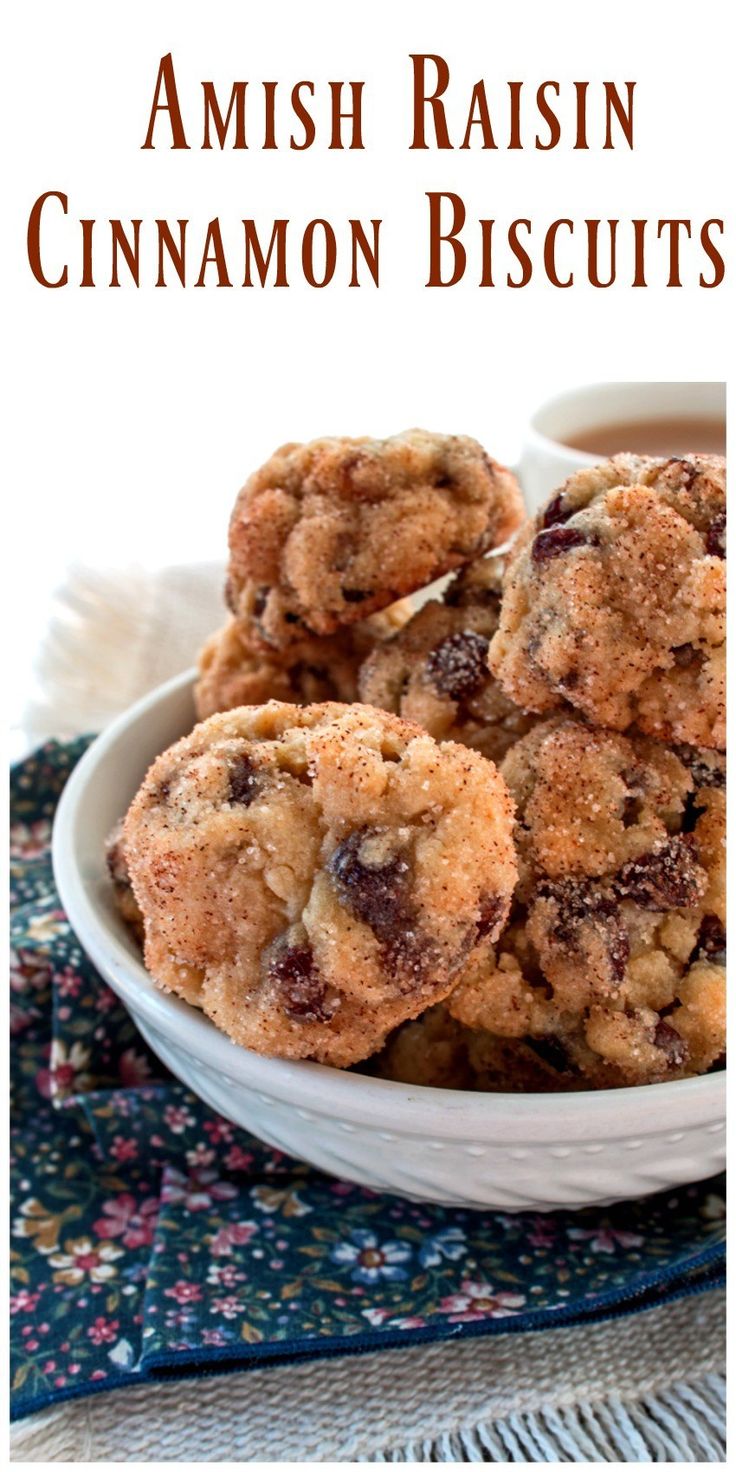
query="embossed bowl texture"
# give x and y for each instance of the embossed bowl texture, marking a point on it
(511, 1151)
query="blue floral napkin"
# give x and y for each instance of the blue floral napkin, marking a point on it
(151, 1237)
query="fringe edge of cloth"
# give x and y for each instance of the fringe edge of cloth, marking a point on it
(684, 1423)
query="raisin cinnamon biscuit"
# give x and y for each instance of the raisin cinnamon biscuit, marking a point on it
(311, 876)
(328, 532)
(435, 669)
(612, 965)
(614, 600)
(234, 668)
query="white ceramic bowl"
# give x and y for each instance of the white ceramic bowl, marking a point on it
(503, 1150)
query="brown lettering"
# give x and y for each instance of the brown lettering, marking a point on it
(277, 242)
(304, 116)
(713, 254)
(550, 264)
(166, 82)
(354, 114)
(359, 240)
(673, 228)
(521, 254)
(624, 112)
(422, 100)
(437, 237)
(593, 228)
(176, 253)
(131, 253)
(308, 253)
(549, 116)
(479, 116)
(221, 125)
(213, 243)
(34, 239)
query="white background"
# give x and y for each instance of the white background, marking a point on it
(135, 415)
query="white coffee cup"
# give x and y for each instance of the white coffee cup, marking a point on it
(548, 458)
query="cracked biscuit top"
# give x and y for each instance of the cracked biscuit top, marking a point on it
(328, 532)
(312, 876)
(614, 600)
(612, 965)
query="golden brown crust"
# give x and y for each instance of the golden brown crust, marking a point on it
(235, 669)
(614, 600)
(434, 670)
(329, 532)
(614, 953)
(311, 876)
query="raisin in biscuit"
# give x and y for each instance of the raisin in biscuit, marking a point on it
(611, 967)
(328, 532)
(435, 669)
(234, 668)
(311, 876)
(614, 600)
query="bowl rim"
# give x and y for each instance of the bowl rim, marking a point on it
(354, 1098)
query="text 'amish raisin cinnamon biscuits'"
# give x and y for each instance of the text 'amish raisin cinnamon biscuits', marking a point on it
(312, 876)
(328, 532)
(612, 965)
(614, 600)
(435, 669)
(235, 669)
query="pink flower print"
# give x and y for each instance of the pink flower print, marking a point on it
(220, 1132)
(125, 1218)
(23, 1302)
(197, 1191)
(376, 1316)
(238, 1159)
(605, 1238)
(542, 1232)
(235, 1234)
(184, 1292)
(69, 982)
(134, 1068)
(30, 840)
(28, 971)
(224, 1275)
(229, 1307)
(178, 1118)
(477, 1301)
(199, 1156)
(214, 1337)
(103, 1331)
(122, 1149)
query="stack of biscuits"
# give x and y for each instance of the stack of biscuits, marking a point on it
(476, 843)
